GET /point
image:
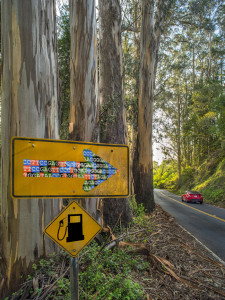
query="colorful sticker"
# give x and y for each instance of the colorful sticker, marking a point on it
(94, 170)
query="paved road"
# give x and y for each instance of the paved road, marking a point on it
(205, 222)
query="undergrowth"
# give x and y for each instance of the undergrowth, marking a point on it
(109, 275)
(103, 274)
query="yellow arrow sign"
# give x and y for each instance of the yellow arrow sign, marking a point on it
(45, 168)
(73, 229)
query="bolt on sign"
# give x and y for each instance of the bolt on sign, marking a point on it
(43, 168)
(73, 228)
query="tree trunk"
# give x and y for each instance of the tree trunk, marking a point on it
(193, 67)
(112, 119)
(83, 79)
(178, 138)
(149, 56)
(188, 152)
(29, 109)
(221, 70)
(210, 57)
(153, 19)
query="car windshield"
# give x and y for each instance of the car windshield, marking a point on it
(194, 192)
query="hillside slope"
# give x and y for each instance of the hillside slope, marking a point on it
(208, 178)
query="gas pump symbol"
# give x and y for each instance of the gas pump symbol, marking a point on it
(74, 228)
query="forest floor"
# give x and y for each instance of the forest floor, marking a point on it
(177, 266)
(180, 267)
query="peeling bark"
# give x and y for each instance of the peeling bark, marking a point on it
(153, 19)
(112, 119)
(83, 79)
(83, 70)
(29, 109)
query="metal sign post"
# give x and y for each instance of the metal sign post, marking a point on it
(72, 230)
(74, 271)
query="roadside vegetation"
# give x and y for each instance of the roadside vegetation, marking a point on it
(142, 265)
(208, 178)
(106, 271)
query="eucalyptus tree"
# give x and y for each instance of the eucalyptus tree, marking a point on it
(154, 16)
(63, 37)
(112, 113)
(30, 109)
(131, 27)
(83, 115)
(191, 55)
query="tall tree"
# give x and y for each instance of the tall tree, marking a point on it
(83, 77)
(30, 109)
(154, 15)
(131, 24)
(63, 38)
(199, 90)
(112, 118)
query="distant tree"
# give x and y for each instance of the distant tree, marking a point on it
(29, 109)
(190, 69)
(112, 113)
(154, 16)
(63, 31)
(131, 27)
(83, 78)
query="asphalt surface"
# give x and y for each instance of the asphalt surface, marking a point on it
(205, 222)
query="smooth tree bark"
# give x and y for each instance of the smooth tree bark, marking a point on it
(112, 113)
(83, 120)
(153, 22)
(178, 136)
(29, 109)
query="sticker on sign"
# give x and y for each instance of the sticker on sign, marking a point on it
(43, 168)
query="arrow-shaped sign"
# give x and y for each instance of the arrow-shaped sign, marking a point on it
(44, 168)
(94, 170)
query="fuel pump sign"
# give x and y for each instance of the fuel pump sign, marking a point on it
(73, 228)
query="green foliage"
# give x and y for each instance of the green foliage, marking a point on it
(187, 177)
(63, 286)
(110, 275)
(165, 176)
(190, 100)
(131, 18)
(34, 267)
(139, 213)
(212, 187)
(63, 30)
(103, 275)
(208, 179)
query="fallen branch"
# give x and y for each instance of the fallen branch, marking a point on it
(116, 241)
(48, 290)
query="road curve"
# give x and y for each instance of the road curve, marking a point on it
(205, 222)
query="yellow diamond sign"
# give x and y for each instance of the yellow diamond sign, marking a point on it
(73, 228)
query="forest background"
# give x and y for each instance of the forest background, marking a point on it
(170, 51)
(189, 103)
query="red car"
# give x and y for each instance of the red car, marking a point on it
(192, 196)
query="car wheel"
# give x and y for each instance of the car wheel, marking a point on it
(201, 202)
(182, 199)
